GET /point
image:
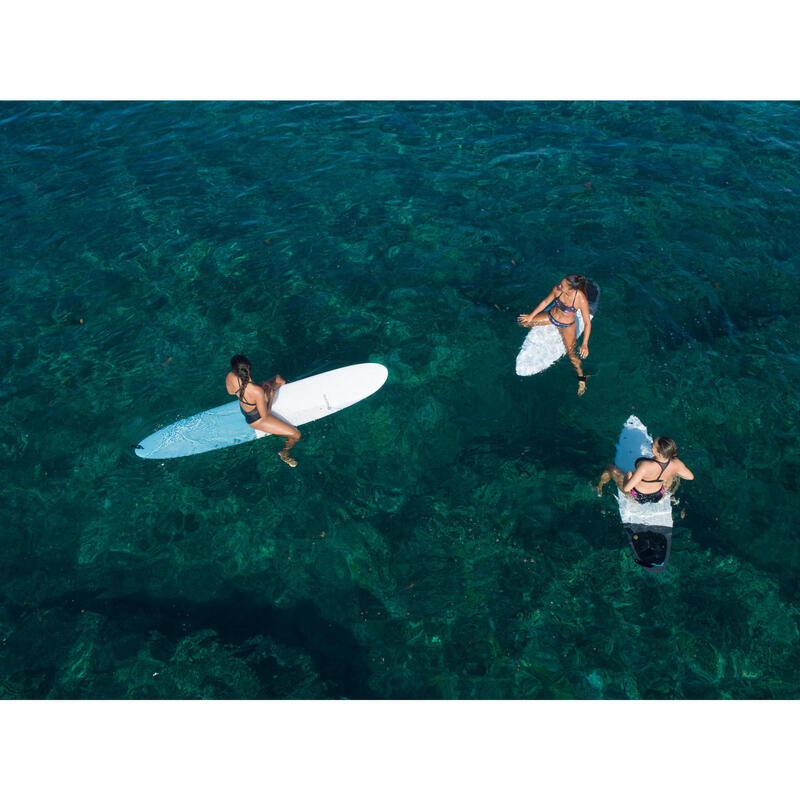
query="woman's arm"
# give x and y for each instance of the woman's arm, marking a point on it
(684, 471)
(546, 302)
(258, 397)
(270, 388)
(634, 479)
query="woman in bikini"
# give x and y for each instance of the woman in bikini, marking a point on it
(652, 477)
(256, 402)
(572, 288)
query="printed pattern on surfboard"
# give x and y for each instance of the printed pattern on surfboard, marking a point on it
(635, 441)
(297, 402)
(543, 345)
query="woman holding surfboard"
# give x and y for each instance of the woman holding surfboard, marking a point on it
(567, 298)
(256, 401)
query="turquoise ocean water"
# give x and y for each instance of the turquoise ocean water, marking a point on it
(440, 539)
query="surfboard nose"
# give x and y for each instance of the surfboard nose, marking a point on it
(381, 373)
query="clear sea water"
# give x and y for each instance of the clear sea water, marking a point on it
(440, 539)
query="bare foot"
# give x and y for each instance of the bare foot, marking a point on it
(286, 458)
(581, 384)
(598, 490)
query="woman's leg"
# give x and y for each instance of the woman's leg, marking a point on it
(568, 335)
(611, 473)
(270, 424)
(673, 488)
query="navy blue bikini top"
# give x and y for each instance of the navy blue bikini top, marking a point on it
(567, 309)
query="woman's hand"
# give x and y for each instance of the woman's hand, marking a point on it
(274, 383)
(584, 351)
(270, 388)
(525, 320)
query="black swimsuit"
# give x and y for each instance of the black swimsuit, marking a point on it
(652, 497)
(249, 416)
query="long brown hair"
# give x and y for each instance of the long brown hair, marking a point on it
(666, 447)
(576, 282)
(241, 368)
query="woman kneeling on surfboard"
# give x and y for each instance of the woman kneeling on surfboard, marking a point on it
(256, 402)
(572, 290)
(652, 476)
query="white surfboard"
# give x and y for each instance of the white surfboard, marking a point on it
(543, 345)
(635, 441)
(297, 403)
(643, 522)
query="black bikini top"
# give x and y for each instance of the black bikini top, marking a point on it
(663, 464)
(241, 399)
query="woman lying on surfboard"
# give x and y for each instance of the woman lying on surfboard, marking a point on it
(567, 298)
(256, 402)
(652, 477)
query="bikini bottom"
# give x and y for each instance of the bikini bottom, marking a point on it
(559, 324)
(652, 497)
(250, 416)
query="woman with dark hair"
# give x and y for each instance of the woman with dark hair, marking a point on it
(652, 477)
(256, 401)
(568, 297)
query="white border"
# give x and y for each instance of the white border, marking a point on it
(416, 49)
(412, 749)
(410, 50)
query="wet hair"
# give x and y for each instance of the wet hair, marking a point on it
(666, 447)
(576, 282)
(241, 368)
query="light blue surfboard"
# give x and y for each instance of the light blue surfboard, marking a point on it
(297, 403)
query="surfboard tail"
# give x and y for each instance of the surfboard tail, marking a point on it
(651, 546)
